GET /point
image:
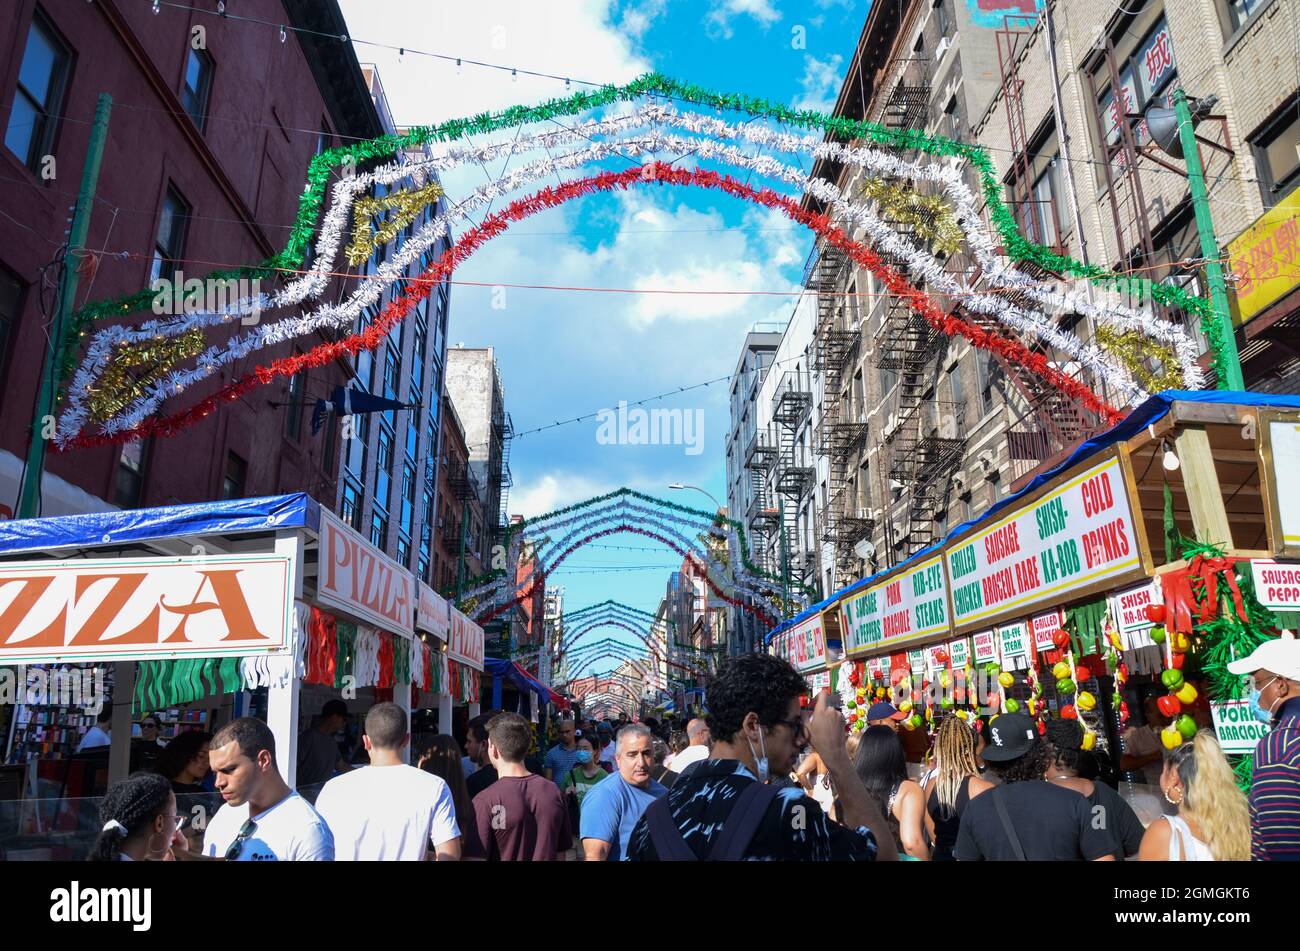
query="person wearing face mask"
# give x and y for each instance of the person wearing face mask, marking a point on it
(726, 807)
(1274, 669)
(587, 771)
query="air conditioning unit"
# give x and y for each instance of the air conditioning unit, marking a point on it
(898, 534)
(986, 461)
(942, 48)
(873, 514)
(959, 483)
(891, 425)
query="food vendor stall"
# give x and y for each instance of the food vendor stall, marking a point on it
(1094, 573)
(811, 647)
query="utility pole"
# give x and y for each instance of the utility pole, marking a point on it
(1227, 362)
(29, 499)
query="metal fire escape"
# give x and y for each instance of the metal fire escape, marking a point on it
(762, 516)
(909, 100)
(507, 479)
(795, 474)
(839, 437)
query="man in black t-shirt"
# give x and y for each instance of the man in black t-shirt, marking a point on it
(1026, 817)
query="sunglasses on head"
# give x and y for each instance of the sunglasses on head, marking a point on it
(236, 847)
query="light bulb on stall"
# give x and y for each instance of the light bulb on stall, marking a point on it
(1170, 458)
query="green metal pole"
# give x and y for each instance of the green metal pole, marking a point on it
(29, 499)
(1227, 362)
(785, 557)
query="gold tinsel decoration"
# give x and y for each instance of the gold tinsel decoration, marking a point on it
(1135, 352)
(135, 368)
(929, 216)
(407, 204)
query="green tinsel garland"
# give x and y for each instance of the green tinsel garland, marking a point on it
(345, 652)
(291, 257)
(1086, 624)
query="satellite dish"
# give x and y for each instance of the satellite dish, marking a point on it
(864, 549)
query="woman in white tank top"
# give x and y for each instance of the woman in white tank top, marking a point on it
(1213, 820)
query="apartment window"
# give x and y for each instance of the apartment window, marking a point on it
(169, 244)
(958, 397)
(1147, 74)
(952, 118)
(351, 506)
(942, 19)
(11, 298)
(128, 484)
(1044, 203)
(379, 530)
(1238, 12)
(198, 85)
(232, 485)
(42, 79)
(990, 375)
(354, 456)
(403, 550)
(1277, 154)
(293, 423)
(383, 466)
(408, 497)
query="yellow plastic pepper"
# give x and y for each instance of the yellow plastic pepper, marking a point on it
(1186, 694)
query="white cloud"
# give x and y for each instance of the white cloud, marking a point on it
(820, 84)
(718, 20)
(580, 42)
(638, 19)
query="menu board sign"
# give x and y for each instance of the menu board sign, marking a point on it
(361, 581)
(465, 642)
(1277, 585)
(986, 647)
(1236, 727)
(1014, 639)
(902, 609)
(1077, 535)
(959, 651)
(804, 645)
(1129, 609)
(1044, 626)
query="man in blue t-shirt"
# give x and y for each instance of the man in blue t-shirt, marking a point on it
(563, 756)
(611, 808)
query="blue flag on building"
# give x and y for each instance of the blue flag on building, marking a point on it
(348, 401)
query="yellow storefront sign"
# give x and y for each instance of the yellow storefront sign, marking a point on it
(1265, 258)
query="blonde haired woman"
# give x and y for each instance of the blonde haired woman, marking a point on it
(1213, 820)
(953, 783)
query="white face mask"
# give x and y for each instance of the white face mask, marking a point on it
(760, 761)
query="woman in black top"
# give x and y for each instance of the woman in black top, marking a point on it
(882, 765)
(1118, 820)
(954, 783)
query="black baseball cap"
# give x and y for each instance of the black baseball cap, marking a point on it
(1010, 737)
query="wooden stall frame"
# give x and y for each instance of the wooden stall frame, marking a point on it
(1277, 544)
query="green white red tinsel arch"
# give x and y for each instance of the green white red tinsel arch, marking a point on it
(130, 380)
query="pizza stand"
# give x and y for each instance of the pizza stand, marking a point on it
(210, 602)
(1064, 570)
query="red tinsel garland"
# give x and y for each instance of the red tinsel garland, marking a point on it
(322, 645)
(387, 676)
(547, 198)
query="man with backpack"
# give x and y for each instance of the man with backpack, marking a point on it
(724, 809)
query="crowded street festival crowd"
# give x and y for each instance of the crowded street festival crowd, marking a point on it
(763, 776)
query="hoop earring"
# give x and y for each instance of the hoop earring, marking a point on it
(149, 845)
(1169, 799)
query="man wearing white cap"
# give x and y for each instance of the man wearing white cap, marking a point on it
(1274, 669)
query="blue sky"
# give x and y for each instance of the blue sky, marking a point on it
(567, 353)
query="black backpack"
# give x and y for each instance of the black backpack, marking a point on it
(733, 839)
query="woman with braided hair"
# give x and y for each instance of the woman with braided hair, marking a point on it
(954, 782)
(140, 821)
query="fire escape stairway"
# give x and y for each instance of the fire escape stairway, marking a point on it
(795, 474)
(761, 516)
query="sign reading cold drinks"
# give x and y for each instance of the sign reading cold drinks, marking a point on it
(1079, 534)
(905, 608)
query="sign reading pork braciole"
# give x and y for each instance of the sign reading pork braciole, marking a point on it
(899, 610)
(1071, 539)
